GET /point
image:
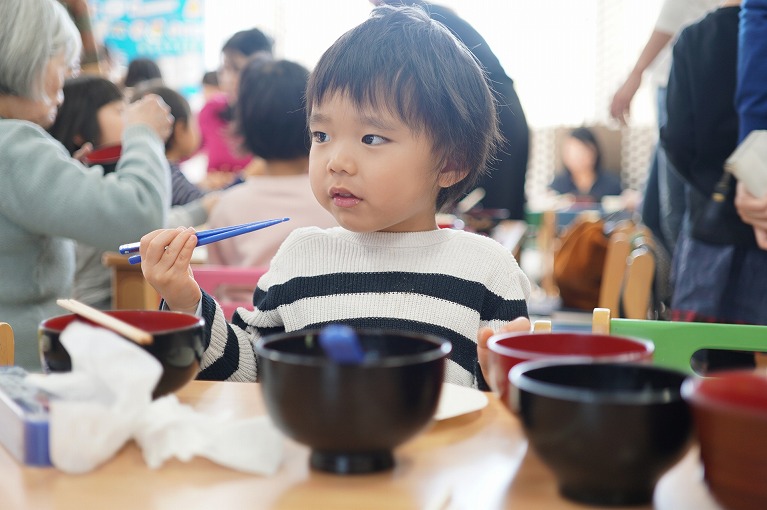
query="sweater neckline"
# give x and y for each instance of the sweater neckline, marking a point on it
(398, 239)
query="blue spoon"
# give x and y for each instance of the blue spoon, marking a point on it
(341, 344)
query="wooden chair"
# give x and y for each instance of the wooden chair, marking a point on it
(232, 286)
(7, 346)
(675, 342)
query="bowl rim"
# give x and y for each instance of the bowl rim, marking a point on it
(696, 399)
(521, 381)
(200, 322)
(442, 349)
(492, 345)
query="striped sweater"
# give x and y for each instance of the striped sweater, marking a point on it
(448, 283)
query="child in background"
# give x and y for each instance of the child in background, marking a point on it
(92, 115)
(270, 118)
(224, 163)
(402, 123)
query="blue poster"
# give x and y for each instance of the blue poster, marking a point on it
(169, 31)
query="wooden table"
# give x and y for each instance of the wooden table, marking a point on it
(475, 461)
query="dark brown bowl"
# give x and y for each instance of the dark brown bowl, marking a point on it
(352, 416)
(730, 416)
(608, 431)
(177, 344)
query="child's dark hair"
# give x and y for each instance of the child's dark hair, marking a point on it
(587, 137)
(179, 106)
(269, 113)
(401, 60)
(77, 119)
(141, 70)
(210, 78)
(248, 42)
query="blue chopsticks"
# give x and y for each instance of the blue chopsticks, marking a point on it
(209, 236)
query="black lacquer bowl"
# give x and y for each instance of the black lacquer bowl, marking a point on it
(177, 344)
(608, 431)
(352, 416)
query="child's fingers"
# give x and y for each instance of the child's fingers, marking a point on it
(483, 335)
(518, 325)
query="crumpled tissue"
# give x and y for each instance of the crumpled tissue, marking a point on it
(106, 400)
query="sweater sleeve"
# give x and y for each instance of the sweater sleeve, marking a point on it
(46, 192)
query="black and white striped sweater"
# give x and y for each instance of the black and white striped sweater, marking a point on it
(445, 282)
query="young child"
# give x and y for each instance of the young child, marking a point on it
(92, 114)
(402, 123)
(270, 118)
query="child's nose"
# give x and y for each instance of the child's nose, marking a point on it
(342, 160)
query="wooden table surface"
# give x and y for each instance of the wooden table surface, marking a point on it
(475, 461)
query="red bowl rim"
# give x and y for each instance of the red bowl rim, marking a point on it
(106, 154)
(193, 321)
(694, 394)
(493, 345)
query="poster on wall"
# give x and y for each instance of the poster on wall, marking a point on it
(169, 31)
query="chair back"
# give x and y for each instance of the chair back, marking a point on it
(675, 342)
(7, 346)
(231, 286)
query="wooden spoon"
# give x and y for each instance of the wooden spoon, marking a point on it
(120, 327)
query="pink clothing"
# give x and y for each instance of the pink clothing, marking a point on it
(264, 197)
(216, 141)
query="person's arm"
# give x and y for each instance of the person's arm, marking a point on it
(751, 94)
(620, 107)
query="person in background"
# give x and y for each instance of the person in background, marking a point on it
(210, 86)
(664, 197)
(92, 58)
(397, 134)
(719, 273)
(48, 198)
(583, 175)
(224, 163)
(751, 103)
(271, 119)
(93, 113)
(141, 72)
(504, 182)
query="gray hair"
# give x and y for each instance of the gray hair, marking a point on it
(32, 32)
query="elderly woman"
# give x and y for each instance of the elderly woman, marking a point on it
(48, 198)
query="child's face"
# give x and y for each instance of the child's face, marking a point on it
(370, 170)
(111, 122)
(186, 139)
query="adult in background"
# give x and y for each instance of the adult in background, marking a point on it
(751, 103)
(504, 181)
(663, 205)
(47, 198)
(719, 273)
(582, 175)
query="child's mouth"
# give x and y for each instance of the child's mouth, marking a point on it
(343, 199)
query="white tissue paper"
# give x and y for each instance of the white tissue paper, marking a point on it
(106, 400)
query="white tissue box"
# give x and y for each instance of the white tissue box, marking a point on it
(23, 418)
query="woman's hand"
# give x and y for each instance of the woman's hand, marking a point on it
(753, 210)
(518, 325)
(165, 261)
(153, 112)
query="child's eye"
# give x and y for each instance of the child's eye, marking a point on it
(373, 139)
(319, 136)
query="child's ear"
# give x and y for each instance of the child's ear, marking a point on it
(450, 175)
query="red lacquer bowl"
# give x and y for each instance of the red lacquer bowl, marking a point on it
(508, 349)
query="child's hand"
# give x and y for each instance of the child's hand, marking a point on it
(165, 262)
(518, 325)
(753, 210)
